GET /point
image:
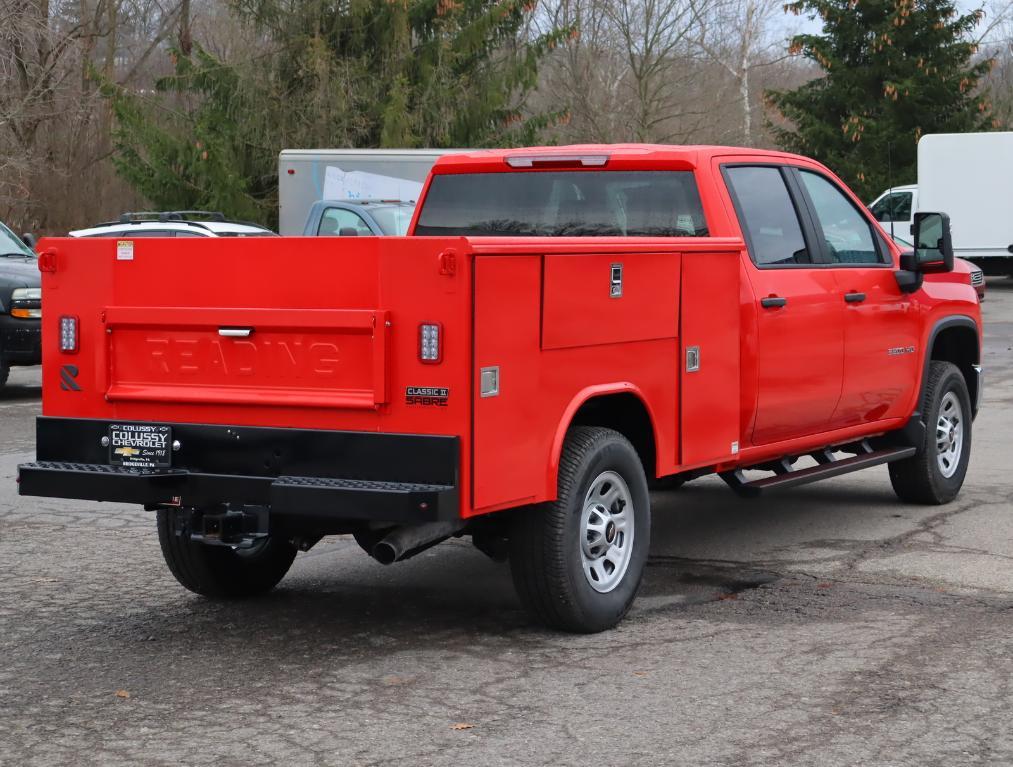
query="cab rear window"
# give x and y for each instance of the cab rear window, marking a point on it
(564, 204)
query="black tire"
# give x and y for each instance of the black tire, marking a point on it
(221, 572)
(920, 479)
(545, 540)
(5, 372)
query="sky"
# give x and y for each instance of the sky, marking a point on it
(792, 24)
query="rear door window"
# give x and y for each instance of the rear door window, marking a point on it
(769, 220)
(564, 204)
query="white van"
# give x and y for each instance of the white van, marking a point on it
(966, 175)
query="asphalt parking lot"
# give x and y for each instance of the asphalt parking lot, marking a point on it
(829, 625)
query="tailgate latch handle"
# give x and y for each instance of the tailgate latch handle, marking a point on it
(235, 332)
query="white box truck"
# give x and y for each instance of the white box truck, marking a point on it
(968, 176)
(306, 176)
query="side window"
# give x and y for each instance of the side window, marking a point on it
(338, 222)
(183, 233)
(893, 207)
(769, 219)
(846, 231)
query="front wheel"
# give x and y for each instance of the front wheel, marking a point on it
(222, 572)
(577, 563)
(935, 474)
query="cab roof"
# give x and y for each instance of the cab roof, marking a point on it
(605, 156)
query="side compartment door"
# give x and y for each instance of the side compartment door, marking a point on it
(508, 464)
(799, 313)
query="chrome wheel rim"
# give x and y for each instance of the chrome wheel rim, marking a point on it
(949, 435)
(607, 528)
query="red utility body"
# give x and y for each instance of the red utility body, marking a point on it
(323, 335)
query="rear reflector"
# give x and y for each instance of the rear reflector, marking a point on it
(558, 161)
(430, 343)
(68, 334)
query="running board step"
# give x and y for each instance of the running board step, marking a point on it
(826, 468)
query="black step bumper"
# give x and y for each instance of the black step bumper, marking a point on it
(302, 476)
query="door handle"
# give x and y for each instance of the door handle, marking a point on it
(772, 302)
(235, 332)
(854, 297)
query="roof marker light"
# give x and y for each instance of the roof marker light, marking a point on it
(563, 160)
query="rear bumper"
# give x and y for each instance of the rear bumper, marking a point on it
(306, 478)
(20, 340)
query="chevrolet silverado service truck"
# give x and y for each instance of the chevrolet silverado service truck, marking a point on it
(561, 327)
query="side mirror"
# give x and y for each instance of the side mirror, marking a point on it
(933, 247)
(29, 240)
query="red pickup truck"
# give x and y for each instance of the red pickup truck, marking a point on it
(562, 327)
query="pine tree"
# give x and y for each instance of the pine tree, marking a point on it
(338, 73)
(203, 145)
(894, 70)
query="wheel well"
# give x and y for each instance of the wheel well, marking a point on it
(626, 414)
(959, 344)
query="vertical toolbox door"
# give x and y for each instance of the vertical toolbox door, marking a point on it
(508, 465)
(709, 366)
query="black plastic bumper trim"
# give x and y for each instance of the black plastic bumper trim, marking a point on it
(298, 473)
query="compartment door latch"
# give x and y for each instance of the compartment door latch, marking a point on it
(692, 359)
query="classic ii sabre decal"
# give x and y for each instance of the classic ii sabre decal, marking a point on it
(897, 350)
(427, 395)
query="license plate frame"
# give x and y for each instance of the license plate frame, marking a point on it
(140, 445)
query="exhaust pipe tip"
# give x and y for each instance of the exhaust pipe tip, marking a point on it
(408, 540)
(384, 553)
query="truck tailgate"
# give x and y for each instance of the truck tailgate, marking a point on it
(291, 357)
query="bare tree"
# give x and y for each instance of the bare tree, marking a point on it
(54, 125)
(736, 35)
(656, 36)
(629, 71)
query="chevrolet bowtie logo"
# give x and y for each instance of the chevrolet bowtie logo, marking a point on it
(127, 452)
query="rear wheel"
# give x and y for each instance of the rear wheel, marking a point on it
(577, 563)
(222, 572)
(936, 473)
(5, 372)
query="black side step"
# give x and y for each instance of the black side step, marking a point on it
(826, 468)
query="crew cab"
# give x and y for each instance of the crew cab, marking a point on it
(561, 327)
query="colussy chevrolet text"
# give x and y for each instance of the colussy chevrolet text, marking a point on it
(561, 328)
